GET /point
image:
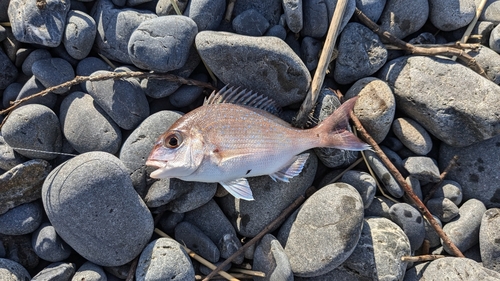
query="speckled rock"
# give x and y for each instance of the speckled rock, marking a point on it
(13, 271)
(79, 31)
(451, 190)
(489, 233)
(97, 183)
(8, 158)
(402, 18)
(447, 16)
(56, 271)
(89, 272)
(451, 268)
(410, 220)
(22, 219)
(270, 258)
(491, 11)
(207, 14)
(195, 240)
(412, 135)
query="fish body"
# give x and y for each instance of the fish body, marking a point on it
(234, 136)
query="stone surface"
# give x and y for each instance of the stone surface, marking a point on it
(13, 271)
(89, 272)
(412, 135)
(207, 14)
(431, 234)
(491, 11)
(166, 7)
(410, 220)
(451, 190)
(317, 16)
(48, 245)
(489, 234)
(402, 18)
(8, 157)
(35, 55)
(33, 86)
(384, 175)
(83, 195)
(270, 9)
(18, 248)
(371, 8)
(270, 258)
(293, 15)
(363, 182)
(79, 31)
(186, 95)
(251, 23)
(22, 219)
(195, 240)
(451, 268)
(10, 93)
(56, 271)
(52, 72)
(447, 16)
(443, 208)
(423, 168)
(310, 50)
(489, 60)
(8, 71)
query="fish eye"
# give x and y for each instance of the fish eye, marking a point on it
(172, 140)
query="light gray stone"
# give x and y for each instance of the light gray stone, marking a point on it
(80, 30)
(89, 272)
(22, 219)
(412, 135)
(447, 16)
(270, 258)
(489, 234)
(443, 208)
(451, 268)
(402, 18)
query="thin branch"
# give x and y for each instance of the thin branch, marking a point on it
(468, 31)
(249, 272)
(422, 258)
(442, 176)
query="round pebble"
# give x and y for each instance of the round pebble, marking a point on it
(10, 93)
(11, 270)
(52, 72)
(250, 23)
(446, 16)
(22, 219)
(38, 54)
(371, 8)
(431, 234)
(166, 7)
(293, 14)
(89, 272)
(194, 239)
(451, 190)
(384, 175)
(186, 94)
(33, 86)
(8, 71)
(270, 258)
(412, 135)
(411, 222)
(451, 268)
(363, 182)
(443, 208)
(89, 65)
(48, 245)
(8, 158)
(310, 49)
(271, 10)
(207, 14)
(56, 271)
(402, 18)
(276, 31)
(80, 29)
(423, 168)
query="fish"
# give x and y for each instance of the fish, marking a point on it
(236, 134)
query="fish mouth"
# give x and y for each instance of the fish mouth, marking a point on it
(156, 163)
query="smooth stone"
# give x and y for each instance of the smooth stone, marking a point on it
(251, 23)
(416, 188)
(207, 14)
(360, 54)
(162, 44)
(451, 268)
(325, 231)
(318, 14)
(33, 86)
(491, 11)
(270, 258)
(448, 16)
(423, 168)
(18, 249)
(37, 54)
(489, 60)
(463, 231)
(11, 45)
(276, 70)
(451, 190)
(489, 235)
(392, 143)
(8, 71)
(169, 221)
(86, 126)
(22, 184)
(271, 199)
(431, 234)
(89, 65)
(482, 28)
(379, 207)
(364, 183)
(384, 175)
(293, 15)
(123, 100)
(395, 159)
(27, 18)
(164, 259)
(270, 9)
(36, 128)
(3, 33)
(276, 31)
(402, 18)
(412, 135)
(114, 28)
(443, 208)
(476, 166)
(22, 219)
(8, 157)
(13, 271)
(379, 251)
(10, 93)
(186, 95)
(79, 31)
(56, 271)
(52, 72)
(166, 7)
(89, 272)
(310, 49)
(448, 116)
(410, 220)
(371, 8)
(48, 245)
(97, 183)
(195, 240)
(375, 107)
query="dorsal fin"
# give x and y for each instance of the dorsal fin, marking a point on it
(244, 97)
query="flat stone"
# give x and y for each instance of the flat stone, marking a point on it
(251, 23)
(446, 16)
(89, 272)
(489, 233)
(48, 245)
(270, 258)
(379, 207)
(79, 31)
(8, 71)
(423, 168)
(207, 14)
(56, 271)
(451, 268)
(33, 86)
(402, 18)
(22, 219)
(166, 7)
(11, 270)
(412, 135)
(195, 240)
(52, 72)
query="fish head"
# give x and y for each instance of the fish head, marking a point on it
(176, 153)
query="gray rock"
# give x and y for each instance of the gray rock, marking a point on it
(8, 71)
(58, 271)
(310, 49)
(80, 30)
(431, 234)
(169, 221)
(270, 258)
(447, 116)
(448, 16)
(162, 44)
(379, 251)
(451, 268)
(491, 11)
(33, 86)
(326, 230)
(489, 234)
(3, 33)
(402, 18)
(251, 23)
(476, 166)
(412, 135)
(22, 219)
(37, 54)
(371, 8)
(207, 14)
(52, 72)
(228, 245)
(13, 271)
(186, 95)
(18, 249)
(36, 128)
(8, 157)
(276, 70)
(451, 190)
(489, 60)
(360, 54)
(11, 45)
(375, 106)
(89, 272)
(318, 15)
(443, 208)
(89, 65)
(340, 273)
(293, 15)
(205, 270)
(10, 93)
(423, 168)
(165, 7)
(97, 183)
(293, 43)
(463, 231)
(195, 240)
(164, 259)
(276, 31)
(392, 143)
(123, 100)
(395, 159)
(410, 220)
(364, 183)
(384, 175)
(115, 26)
(26, 18)
(270, 9)
(48, 245)
(271, 198)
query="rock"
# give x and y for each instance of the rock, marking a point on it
(489, 60)
(448, 16)
(52, 72)
(375, 106)
(186, 95)
(490, 11)
(276, 70)
(89, 272)
(89, 65)
(318, 15)
(207, 14)
(251, 23)
(11, 270)
(402, 18)
(26, 18)
(115, 26)
(451, 190)
(463, 231)
(123, 100)
(360, 54)
(423, 168)
(310, 50)
(10, 93)
(22, 184)
(18, 249)
(451, 268)
(97, 183)
(443, 208)
(276, 31)
(33, 131)
(33, 86)
(87, 127)
(414, 184)
(270, 258)
(412, 135)
(270, 9)
(364, 183)
(8, 71)
(489, 234)
(56, 271)
(447, 116)
(384, 175)
(48, 245)
(166, 7)
(411, 222)
(169, 221)
(80, 30)
(371, 8)
(35, 55)
(293, 15)
(431, 234)
(22, 219)
(326, 230)
(195, 240)
(271, 198)
(8, 157)
(162, 44)
(164, 259)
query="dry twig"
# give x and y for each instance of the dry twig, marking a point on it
(421, 258)
(468, 31)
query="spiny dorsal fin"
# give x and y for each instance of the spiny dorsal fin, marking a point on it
(244, 97)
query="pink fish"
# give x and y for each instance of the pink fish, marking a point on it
(234, 135)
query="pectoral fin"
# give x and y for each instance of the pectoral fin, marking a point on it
(239, 188)
(292, 169)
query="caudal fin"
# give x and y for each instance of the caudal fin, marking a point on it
(333, 130)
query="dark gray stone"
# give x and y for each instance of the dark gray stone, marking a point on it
(411, 222)
(415, 186)
(318, 15)
(11, 45)
(89, 65)
(48, 245)
(18, 249)
(37, 54)
(310, 49)
(276, 70)
(395, 159)
(448, 16)
(423, 168)
(165, 7)
(383, 174)
(402, 18)
(207, 14)
(22, 219)
(379, 207)
(489, 234)
(8, 71)
(169, 221)
(26, 18)
(8, 157)
(276, 31)
(10, 93)
(451, 190)
(162, 44)
(52, 72)
(270, 258)
(371, 8)
(83, 195)
(58, 271)
(11, 270)
(32, 87)
(364, 183)
(443, 208)
(293, 15)
(79, 32)
(412, 135)
(431, 234)
(251, 23)
(186, 95)
(89, 272)
(195, 240)
(270, 9)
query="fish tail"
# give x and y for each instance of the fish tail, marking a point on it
(333, 132)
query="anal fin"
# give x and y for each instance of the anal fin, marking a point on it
(292, 169)
(239, 188)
